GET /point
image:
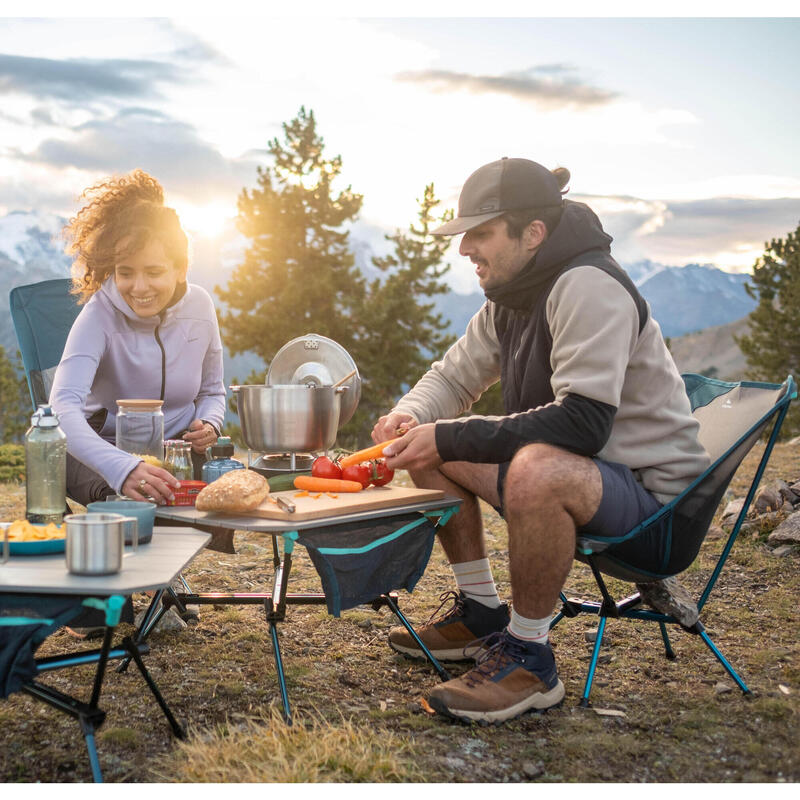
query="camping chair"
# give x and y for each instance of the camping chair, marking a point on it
(42, 314)
(732, 417)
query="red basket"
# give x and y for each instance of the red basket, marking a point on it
(187, 493)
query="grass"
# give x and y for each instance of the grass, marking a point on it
(357, 705)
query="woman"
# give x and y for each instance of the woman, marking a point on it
(144, 332)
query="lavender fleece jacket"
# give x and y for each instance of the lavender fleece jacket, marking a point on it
(112, 353)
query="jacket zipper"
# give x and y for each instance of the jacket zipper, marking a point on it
(163, 361)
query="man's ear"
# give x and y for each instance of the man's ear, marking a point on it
(535, 233)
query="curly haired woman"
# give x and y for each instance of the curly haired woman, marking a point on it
(143, 332)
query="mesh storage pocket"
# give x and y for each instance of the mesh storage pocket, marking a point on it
(358, 563)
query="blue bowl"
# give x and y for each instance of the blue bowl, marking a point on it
(145, 514)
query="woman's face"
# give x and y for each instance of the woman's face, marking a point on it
(147, 279)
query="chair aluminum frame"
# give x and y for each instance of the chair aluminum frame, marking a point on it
(629, 607)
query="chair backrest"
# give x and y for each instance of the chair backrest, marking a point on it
(42, 314)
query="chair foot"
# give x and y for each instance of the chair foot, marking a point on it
(584, 703)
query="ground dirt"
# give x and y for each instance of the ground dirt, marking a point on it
(357, 705)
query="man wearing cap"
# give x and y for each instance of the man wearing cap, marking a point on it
(597, 432)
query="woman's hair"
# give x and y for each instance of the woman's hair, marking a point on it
(127, 207)
(517, 221)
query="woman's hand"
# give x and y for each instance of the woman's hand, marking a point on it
(150, 483)
(201, 435)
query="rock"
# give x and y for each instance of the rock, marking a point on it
(787, 493)
(722, 688)
(590, 636)
(366, 624)
(795, 487)
(714, 533)
(454, 762)
(788, 532)
(783, 550)
(768, 499)
(171, 621)
(669, 597)
(532, 770)
(732, 511)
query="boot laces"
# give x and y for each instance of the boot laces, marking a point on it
(497, 651)
(457, 609)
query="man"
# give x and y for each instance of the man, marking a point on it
(597, 434)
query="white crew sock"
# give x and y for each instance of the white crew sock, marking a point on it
(529, 630)
(474, 579)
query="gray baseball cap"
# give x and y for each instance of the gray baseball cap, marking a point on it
(510, 184)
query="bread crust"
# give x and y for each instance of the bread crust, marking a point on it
(238, 490)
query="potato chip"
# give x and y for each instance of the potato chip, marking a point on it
(21, 530)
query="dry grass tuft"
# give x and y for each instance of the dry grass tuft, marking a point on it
(311, 750)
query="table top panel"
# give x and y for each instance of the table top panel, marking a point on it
(154, 566)
(277, 527)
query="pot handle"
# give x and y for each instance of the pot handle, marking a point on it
(234, 388)
(341, 389)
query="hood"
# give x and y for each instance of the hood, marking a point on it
(110, 291)
(579, 231)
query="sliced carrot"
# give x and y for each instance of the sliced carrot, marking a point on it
(301, 494)
(311, 484)
(272, 499)
(367, 454)
(331, 494)
(317, 495)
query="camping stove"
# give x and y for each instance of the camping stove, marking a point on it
(271, 465)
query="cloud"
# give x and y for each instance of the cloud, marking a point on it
(139, 137)
(549, 85)
(83, 80)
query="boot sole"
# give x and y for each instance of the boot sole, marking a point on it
(539, 702)
(439, 655)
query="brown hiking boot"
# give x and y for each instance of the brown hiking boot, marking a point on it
(510, 678)
(448, 637)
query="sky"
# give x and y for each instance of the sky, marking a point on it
(680, 132)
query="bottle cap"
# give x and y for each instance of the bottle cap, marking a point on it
(44, 417)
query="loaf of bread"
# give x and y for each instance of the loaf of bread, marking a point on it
(236, 491)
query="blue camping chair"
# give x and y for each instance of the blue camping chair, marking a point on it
(732, 417)
(42, 314)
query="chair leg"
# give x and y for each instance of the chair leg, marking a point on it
(88, 734)
(668, 651)
(722, 660)
(584, 703)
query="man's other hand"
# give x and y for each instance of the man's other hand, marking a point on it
(392, 425)
(416, 450)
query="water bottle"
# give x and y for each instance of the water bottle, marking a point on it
(45, 468)
(220, 460)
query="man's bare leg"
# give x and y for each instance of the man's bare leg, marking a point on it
(548, 493)
(462, 537)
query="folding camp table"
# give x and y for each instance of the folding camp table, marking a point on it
(154, 566)
(437, 512)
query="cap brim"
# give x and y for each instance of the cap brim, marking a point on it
(463, 224)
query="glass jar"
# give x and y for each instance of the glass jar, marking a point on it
(140, 429)
(45, 468)
(178, 459)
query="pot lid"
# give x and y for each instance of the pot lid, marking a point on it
(318, 360)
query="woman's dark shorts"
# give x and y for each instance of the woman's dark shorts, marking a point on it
(625, 503)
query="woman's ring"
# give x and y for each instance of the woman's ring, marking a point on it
(142, 484)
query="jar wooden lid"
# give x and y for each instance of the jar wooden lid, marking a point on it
(141, 405)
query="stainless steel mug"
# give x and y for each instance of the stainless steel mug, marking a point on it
(96, 542)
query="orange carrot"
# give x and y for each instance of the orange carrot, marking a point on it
(325, 484)
(376, 451)
(299, 494)
(331, 494)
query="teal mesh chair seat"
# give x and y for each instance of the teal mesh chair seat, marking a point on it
(732, 417)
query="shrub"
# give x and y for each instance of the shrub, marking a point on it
(12, 463)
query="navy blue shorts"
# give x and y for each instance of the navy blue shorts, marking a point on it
(625, 503)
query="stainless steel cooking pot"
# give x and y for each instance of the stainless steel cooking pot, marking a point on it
(96, 542)
(289, 418)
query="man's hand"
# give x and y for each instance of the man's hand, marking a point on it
(146, 482)
(201, 435)
(415, 450)
(392, 425)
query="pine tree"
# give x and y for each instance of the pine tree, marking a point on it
(772, 344)
(15, 410)
(407, 333)
(298, 275)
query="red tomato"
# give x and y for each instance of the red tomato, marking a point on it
(358, 472)
(323, 467)
(381, 474)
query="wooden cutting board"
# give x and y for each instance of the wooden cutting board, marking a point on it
(376, 497)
